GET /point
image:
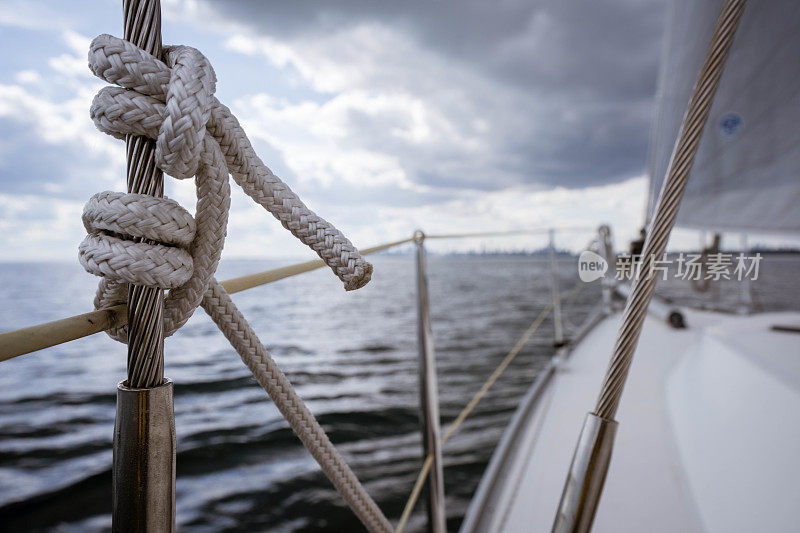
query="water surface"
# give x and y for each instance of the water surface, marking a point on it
(352, 357)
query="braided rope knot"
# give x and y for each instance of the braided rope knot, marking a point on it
(144, 240)
(117, 222)
(187, 91)
(151, 241)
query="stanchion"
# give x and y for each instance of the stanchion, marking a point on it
(143, 480)
(429, 396)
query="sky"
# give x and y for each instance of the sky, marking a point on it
(384, 117)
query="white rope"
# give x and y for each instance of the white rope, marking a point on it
(139, 111)
(236, 329)
(151, 241)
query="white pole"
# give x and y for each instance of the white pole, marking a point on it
(745, 288)
(608, 282)
(429, 396)
(557, 324)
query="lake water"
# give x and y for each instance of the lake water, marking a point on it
(351, 356)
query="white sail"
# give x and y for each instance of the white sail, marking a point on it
(747, 173)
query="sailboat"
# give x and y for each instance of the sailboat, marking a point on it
(708, 425)
(704, 437)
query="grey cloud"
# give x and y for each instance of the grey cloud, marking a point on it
(27, 163)
(574, 82)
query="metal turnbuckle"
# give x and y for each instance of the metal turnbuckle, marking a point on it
(144, 459)
(587, 474)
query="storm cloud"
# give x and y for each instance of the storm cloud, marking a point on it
(383, 116)
(549, 93)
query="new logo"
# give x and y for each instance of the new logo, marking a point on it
(591, 266)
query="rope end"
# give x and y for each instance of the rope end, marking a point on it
(357, 281)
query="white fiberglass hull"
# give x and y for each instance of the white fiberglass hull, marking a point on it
(708, 438)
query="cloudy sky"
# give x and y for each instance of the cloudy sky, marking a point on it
(382, 116)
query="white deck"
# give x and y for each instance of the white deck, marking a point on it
(708, 439)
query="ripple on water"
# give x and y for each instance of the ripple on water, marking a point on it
(239, 465)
